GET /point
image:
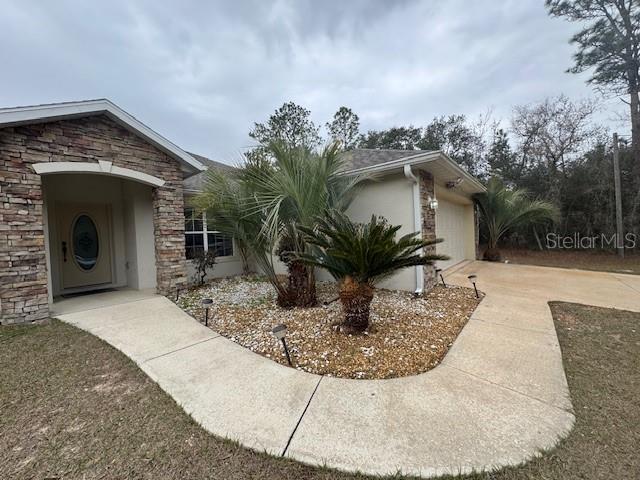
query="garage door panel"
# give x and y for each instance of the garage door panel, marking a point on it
(450, 225)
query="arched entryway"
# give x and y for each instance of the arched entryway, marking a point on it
(99, 233)
(92, 144)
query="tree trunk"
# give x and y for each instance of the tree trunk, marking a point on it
(535, 234)
(302, 285)
(635, 130)
(492, 254)
(635, 146)
(356, 303)
(284, 299)
(244, 258)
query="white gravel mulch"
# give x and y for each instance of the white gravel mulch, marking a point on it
(408, 335)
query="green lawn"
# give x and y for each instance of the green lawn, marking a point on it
(73, 407)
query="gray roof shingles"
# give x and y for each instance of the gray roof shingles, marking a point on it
(365, 157)
(354, 159)
(195, 182)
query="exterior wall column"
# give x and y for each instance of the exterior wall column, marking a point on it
(427, 192)
(23, 266)
(168, 227)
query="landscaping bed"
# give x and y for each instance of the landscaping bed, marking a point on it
(408, 334)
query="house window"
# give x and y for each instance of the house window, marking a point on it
(200, 237)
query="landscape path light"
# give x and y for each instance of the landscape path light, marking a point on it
(280, 331)
(206, 303)
(472, 279)
(439, 273)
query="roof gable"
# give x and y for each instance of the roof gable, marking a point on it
(59, 111)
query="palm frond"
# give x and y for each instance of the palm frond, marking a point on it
(367, 252)
(503, 209)
(232, 208)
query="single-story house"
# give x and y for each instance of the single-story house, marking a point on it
(93, 199)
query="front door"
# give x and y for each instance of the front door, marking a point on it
(85, 246)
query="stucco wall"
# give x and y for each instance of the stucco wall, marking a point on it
(224, 267)
(392, 198)
(138, 223)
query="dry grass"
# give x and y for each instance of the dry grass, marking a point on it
(581, 259)
(408, 335)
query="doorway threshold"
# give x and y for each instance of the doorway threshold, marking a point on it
(85, 293)
(72, 303)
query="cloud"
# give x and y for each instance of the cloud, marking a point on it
(201, 73)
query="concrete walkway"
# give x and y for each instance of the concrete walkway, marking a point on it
(499, 397)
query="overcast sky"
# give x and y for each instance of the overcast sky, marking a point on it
(200, 73)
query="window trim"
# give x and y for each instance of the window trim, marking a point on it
(205, 232)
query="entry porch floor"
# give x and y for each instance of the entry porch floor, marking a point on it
(81, 302)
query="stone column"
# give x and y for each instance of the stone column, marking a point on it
(23, 266)
(427, 191)
(168, 226)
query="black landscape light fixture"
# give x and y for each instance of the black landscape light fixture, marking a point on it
(206, 303)
(439, 273)
(177, 293)
(279, 331)
(472, 279)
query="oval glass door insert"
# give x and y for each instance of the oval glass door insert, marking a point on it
(85, 242)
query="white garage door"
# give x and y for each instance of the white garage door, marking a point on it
(450, 225)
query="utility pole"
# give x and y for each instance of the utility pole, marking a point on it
(618, 189)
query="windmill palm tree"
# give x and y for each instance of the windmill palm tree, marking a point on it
(503, 209)
(358, 255)
(298, 188)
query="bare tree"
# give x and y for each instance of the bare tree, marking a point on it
(555, 130)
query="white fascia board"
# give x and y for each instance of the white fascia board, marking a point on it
(25, 115)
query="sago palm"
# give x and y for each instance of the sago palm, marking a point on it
(299, 187)
(503, 209)
(358, 255)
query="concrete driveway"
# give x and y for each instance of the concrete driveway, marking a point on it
(499, 397)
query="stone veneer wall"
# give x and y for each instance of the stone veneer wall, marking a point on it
(23, 275)
(427, 190)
